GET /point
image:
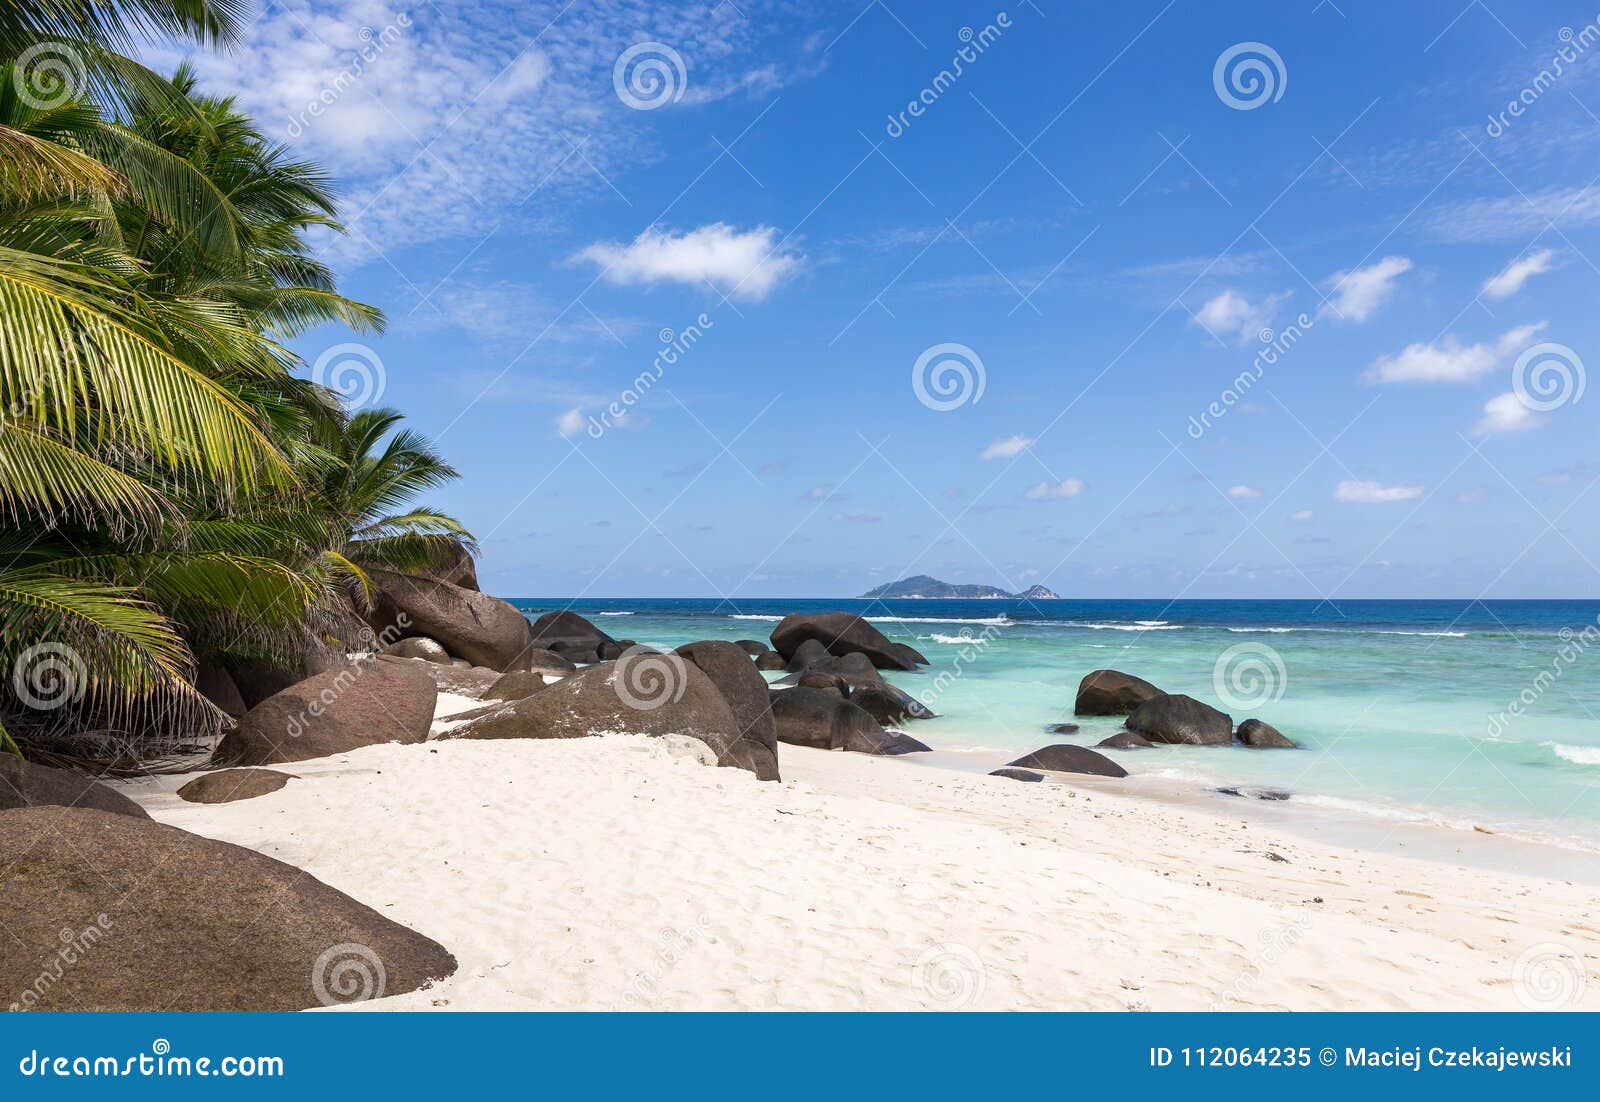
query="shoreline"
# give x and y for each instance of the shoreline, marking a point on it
(620, 871)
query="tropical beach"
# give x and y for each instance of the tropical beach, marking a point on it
(627, 507)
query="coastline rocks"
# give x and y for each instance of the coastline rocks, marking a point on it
(630, 697)
(1263, 736)
(419, 646)
(1065, 758)
(460, 571)
(1111, 693)
(806, 654)
(217, 685)
(729, 669)
(188, 923)
(516, 685)
(1061, 729)
(24, 784)
(363, 702)
(229, 785)
(844, 633)
(1017, 774)
(473, 681)
(753, 647)
(569, 636)
(1182, 720)
(484, 630)
(818, 719)
(1126, 740)
(1272, 794)
(888, 704)
(771, 660)
(826, 682)
(540, 660)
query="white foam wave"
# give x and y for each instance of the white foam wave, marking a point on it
(749, 616)
(613, 614)
(988, 621)
(1431, 634)
(1267, 631)
(1577, 755)
(955, 640)
(1142, 625)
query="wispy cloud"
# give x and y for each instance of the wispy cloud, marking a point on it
(1515, 275)
(745, 264)
(1055, 491)
(1231, 315)
(1517, 216)
(1368, 492)
(1448, 360)
(1358, 293)
(1243, 493)
(1007, 447)
(570, 423)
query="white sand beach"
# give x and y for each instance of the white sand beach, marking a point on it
(621, 872)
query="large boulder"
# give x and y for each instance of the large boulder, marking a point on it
(1263, 736)
(814, 679)
(484, 630)
(227, 786)
(540, 660)
(769, 660)
(1011, 774)
(818, 719)
(258, 678)
(1125, 740)
(844, 633)
(473, 681)
(213, 681)
(515, 685)
(570, 636)
(363, 702)
(24, 784)
(1064, 757)
(1111, 693)
(888, 704)
(461, 570)
(419, 646)
(161, 919)
(808, 652)
(642, 694)
(1182, 720)
(745, 690)
(753, 647)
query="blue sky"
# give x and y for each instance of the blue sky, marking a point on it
(1080, 209)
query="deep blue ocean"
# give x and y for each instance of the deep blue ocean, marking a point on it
(1471, 712)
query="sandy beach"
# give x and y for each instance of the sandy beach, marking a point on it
(622, 872)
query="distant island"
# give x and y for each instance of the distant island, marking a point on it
(923, 586)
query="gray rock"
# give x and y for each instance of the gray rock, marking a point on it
(1181, 720)
(1111, 693)
(570, 636)
(1065, 758)
(516, 685)
(484, 630)
(1263, 736)
(1017, 774)
(844, 633)
(1126, 740)
(888, 704)
(25, 784)
(1061, 728)
(227, 786)
(419, 646)
(745, 690)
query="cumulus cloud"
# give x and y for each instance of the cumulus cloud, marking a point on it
(1243, 493)
(1007, 447)
(1301, 516)
(744, 264)
(1448, 360)
(1230, 314)
(1359, 292)
(1515, 275)
(1370, 492)
(1506, 413)
(570, 423)
(1055, 491)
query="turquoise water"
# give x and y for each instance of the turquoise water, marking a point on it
(1404, 709)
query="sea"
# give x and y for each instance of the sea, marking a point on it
(1474, 714)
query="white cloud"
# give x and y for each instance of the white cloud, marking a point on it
(570, 423)
(1517, 216)
(1448, 360)
(1230, 314)
(1007, 447)
(1243, 493)
(1301, 516)
(1367, 492)
(1358, 293)
(745, 264)
(1055, 491)
(1506, 413)
(1516, 274)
